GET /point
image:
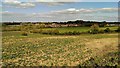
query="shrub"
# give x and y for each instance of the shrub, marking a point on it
(101, 31)
(44, 32)
(55, 31)
(70, 33)
(11, 28)
(94, 29)
(107, 30)
(118, 29)
(24, 28)
(24, 33)
(76, 33)
(52, 32)
(38, 26)
(36, 31)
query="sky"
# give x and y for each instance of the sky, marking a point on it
(58, 10)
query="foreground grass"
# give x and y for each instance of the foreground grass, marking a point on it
(38, 49)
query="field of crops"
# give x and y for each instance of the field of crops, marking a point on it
(50, 50)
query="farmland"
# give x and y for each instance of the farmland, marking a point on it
(60, 50)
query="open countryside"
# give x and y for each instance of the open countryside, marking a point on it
(60, 34)
(36, 45)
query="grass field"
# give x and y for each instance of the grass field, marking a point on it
(79, 29)
(51, 50)
(60, 29)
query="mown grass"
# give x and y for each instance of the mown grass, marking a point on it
(50, 50)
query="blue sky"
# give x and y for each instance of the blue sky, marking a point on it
(46, 8)
(59, 11)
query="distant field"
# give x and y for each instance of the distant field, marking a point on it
(64, 29)
(80, 29)
(50, 50)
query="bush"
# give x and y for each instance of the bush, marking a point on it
(70, 33)
(76, 33)
(67, 33)
(51, 32)
(101, 31)
(55, 31)
(36, 31)
(47, 32)
(118, 30)
(11, 28)
(107, 30)
(94, 29)
(38, 26)
(24, 34)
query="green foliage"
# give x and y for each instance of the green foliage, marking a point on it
(40, 28)
(101, 31)
(36, 31)
(71, 33)
(76, 33)
(94, 29)
(23, 33)
(107, 30)
(118, 29)
(55, 31)
(4, 25)
(52, 32)
(11, 28)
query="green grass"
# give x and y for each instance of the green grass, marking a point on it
(38, 49)
(79, 29)
(64, 29)
(111, 27)
(60, 29)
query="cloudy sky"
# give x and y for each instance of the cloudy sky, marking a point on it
(58, 10)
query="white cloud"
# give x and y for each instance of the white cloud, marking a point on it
(12, 2)
(27, 5)
(74, 0)
(108, 9)
(71, 9)
(56, 0)
(52, 3)
(81, 11)
(65, 15)
(18, 4)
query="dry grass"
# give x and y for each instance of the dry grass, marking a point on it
(57, 50)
